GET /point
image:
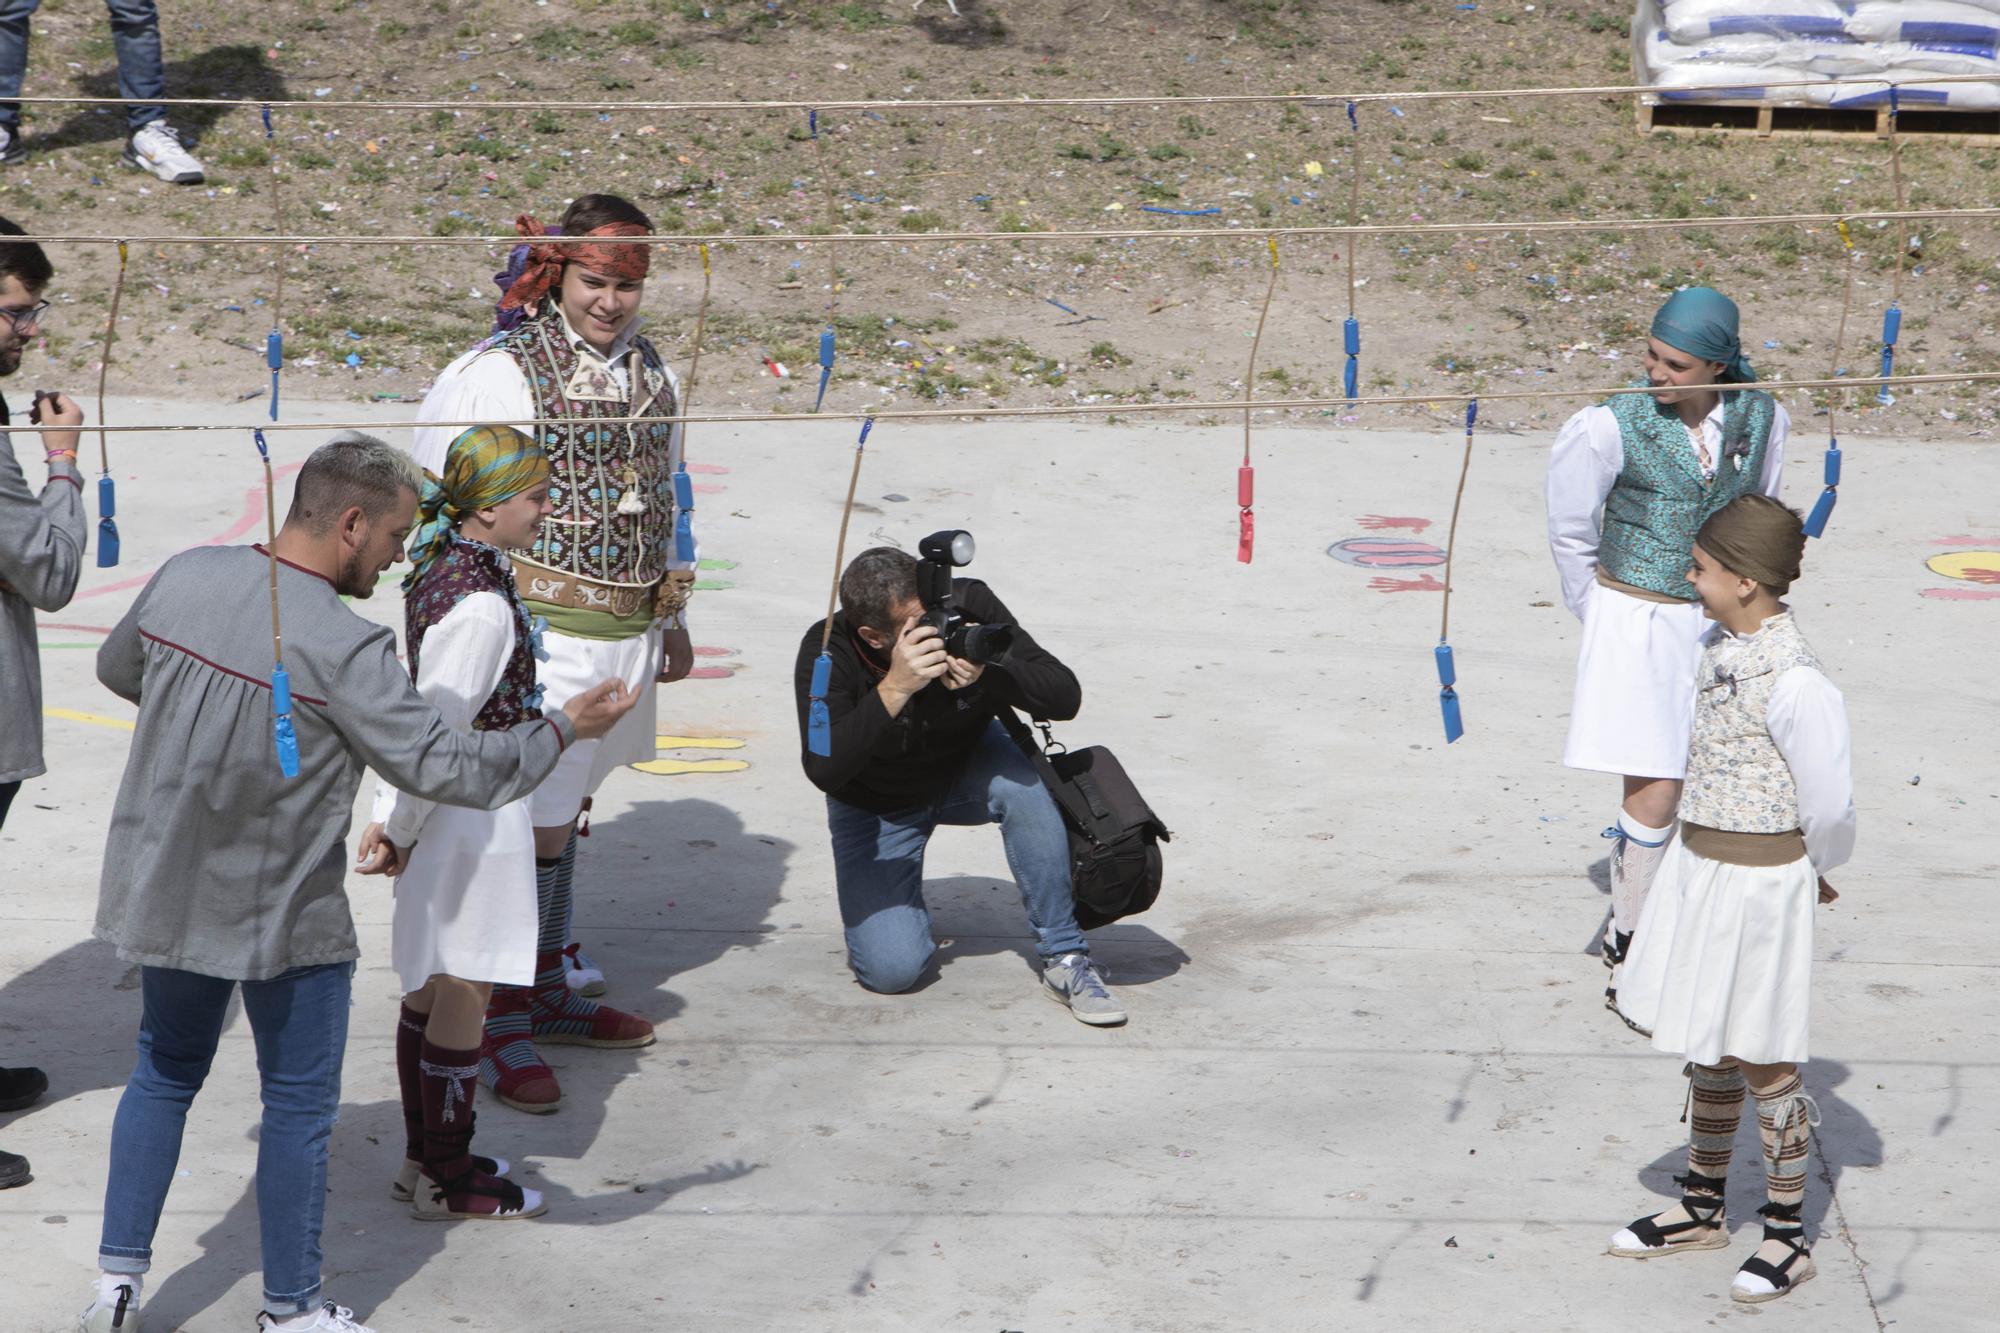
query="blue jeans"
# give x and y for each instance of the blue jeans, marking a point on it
(878, 864)
(299, 1021)
(135, 35)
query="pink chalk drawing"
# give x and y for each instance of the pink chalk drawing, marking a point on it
(1961, 594)
(1380, 523)
(1423, 583)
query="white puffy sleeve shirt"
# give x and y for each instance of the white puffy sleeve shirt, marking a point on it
(1808, 721)
(1589, 454)
(463, 660)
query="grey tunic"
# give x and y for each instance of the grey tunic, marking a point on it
(41, 553)
(218, 864)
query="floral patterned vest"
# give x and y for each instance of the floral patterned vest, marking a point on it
(1660, 499)
(1736, 778)
(608, 541)
(467, 567)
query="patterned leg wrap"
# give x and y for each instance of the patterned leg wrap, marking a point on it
(508, 1062)
(1785, 1116)
(1714, 1109)
(409, 1054)
(1633, 864)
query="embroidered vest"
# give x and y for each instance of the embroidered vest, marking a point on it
(613, 558)
(465, 568)
(1736, 778)
(1660, 499)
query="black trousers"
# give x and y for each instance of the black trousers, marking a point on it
(7, 790)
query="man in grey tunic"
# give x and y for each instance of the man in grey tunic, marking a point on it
(220, 871)
(41, 553)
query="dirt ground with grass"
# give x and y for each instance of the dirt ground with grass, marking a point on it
(992, 322)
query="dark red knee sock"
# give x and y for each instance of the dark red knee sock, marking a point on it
(450, 1078)
(409, 1055)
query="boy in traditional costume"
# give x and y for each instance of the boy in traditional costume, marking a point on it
(603, 570)
(465, 888)
(1629, 484)
(1721, 968)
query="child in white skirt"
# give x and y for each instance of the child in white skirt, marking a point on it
(465, 888)
(1630, 480)
(1721, 967)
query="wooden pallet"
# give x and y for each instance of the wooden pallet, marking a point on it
(1764, 120)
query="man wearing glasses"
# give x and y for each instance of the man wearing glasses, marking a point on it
(41, 553)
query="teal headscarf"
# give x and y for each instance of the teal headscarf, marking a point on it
(484, 466)
(1702, 322)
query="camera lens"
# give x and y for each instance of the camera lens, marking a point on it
(979, 643)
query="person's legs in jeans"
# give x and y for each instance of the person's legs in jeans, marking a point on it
(878, 867)
(999, 785)
(178, 1030)
(14, 16)
(135, 34)
(299, 1021)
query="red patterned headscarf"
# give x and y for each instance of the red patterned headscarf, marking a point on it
(543, 269)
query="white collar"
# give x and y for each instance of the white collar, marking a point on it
(619, 345)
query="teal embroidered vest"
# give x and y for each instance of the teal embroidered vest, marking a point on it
(1661, 499)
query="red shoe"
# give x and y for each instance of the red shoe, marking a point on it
(508, 1062)
(562, 1017)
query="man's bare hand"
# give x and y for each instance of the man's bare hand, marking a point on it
(676, 655)
(1826, 893)
(378, 856)
(597, 710)
(959, 673)
(57, 409)
(917, 659)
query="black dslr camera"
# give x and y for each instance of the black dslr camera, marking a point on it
(939, 554)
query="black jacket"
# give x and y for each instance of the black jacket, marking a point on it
(886, 764)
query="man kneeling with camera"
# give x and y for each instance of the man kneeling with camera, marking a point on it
(916, 670)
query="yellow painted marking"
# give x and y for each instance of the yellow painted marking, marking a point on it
(698, 742)
(1961, 564)
(674, 767)
(94, 719)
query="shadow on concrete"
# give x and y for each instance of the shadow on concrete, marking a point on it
(693, 854)
(236, 71)
(975, 917)
(86, 978)
(1845, 1139)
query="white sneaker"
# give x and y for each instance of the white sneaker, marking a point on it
(583, 976)
(115, 1310)
(1076, 981)
(157, 148)
(11, 148)
(329, 1318)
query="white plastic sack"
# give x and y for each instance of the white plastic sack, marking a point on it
(1697, 82)
(1692, 22)
(1922, 21)
(1911, 92)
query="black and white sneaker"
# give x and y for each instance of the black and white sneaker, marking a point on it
(12, 150)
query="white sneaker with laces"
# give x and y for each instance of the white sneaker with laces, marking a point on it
(329, 1318)
(1075, 981)
(157, 148)
(114, 1309)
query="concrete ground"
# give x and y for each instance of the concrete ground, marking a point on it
(1367, 1083)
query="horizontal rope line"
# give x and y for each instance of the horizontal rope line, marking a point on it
(1232, 405)
(1191, 233)
(1004, 103)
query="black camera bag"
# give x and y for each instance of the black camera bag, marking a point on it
(1114, 836)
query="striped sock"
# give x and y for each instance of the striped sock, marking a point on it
(1715, 1108)
(1785, 1116)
